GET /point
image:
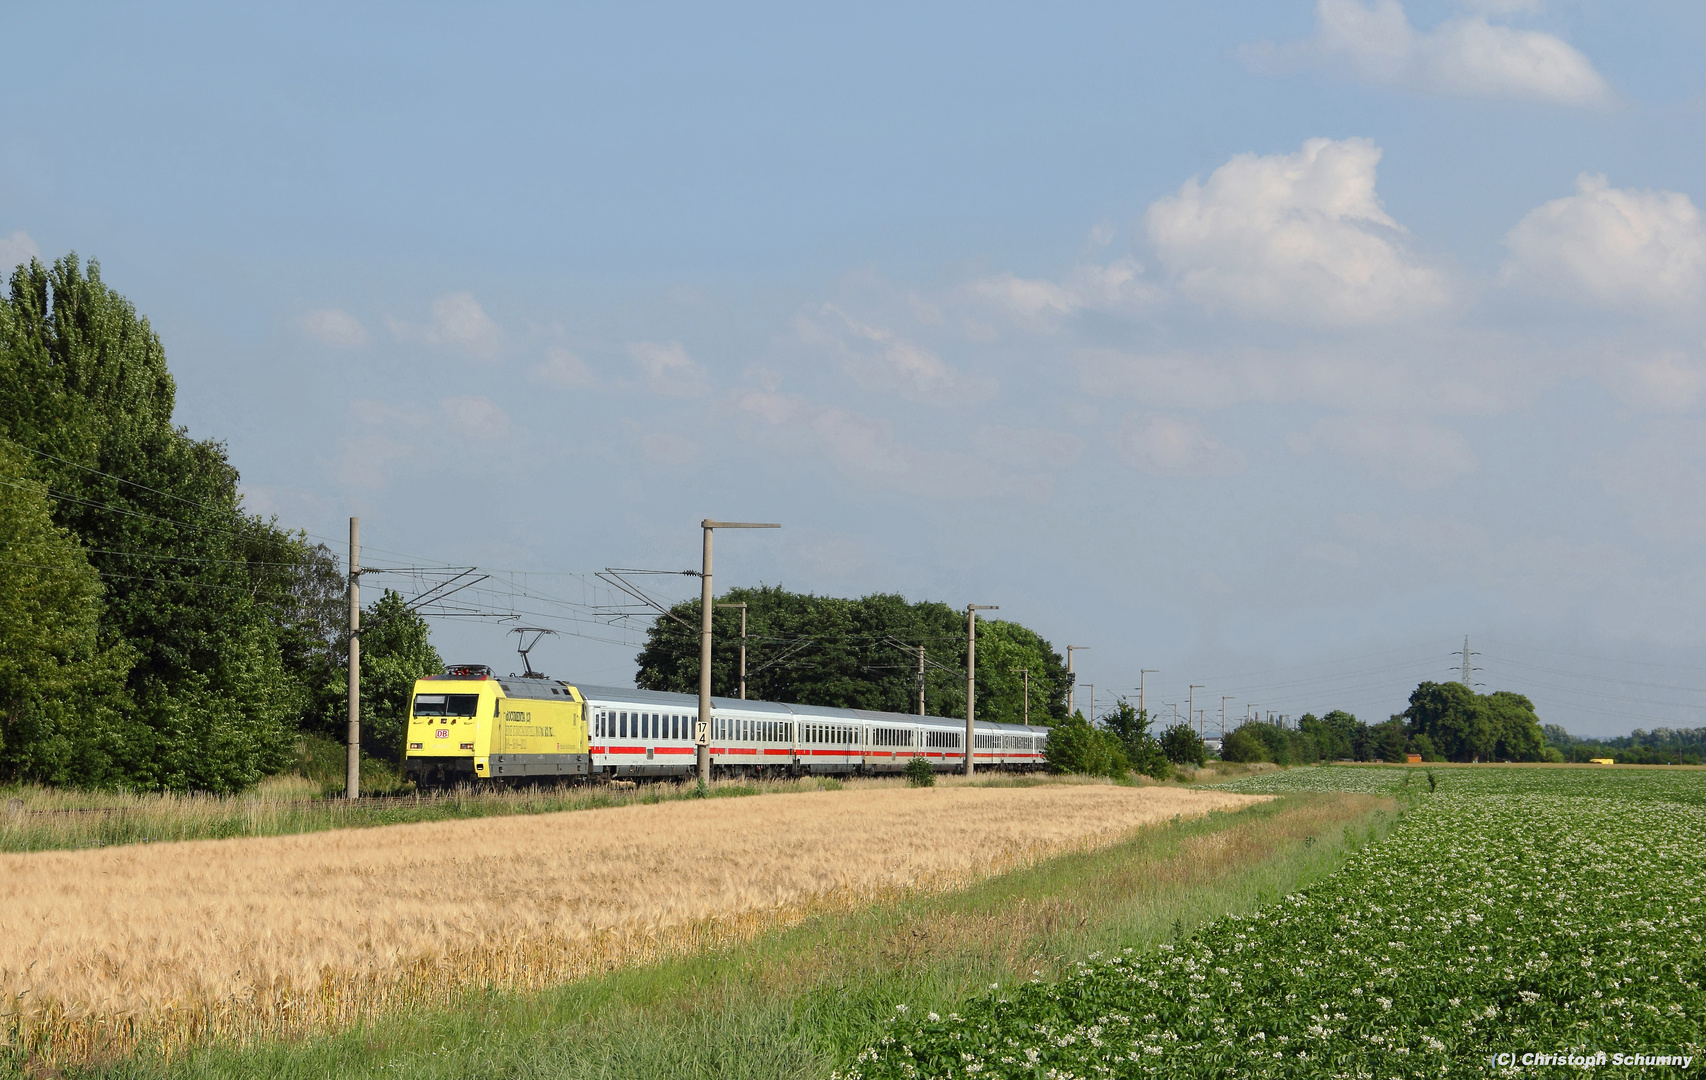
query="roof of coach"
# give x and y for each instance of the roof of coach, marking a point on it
(665, 699)
(628, 695)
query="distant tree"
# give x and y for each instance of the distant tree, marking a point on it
(396, 649)
(1331, 734)
(1075, 746)
(1465, 726)
(1454, 719)
(1142, 750)
(862, 654)
(1244, 745)
(1183, 746)
(1391, 741)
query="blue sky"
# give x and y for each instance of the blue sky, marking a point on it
(1273, 346)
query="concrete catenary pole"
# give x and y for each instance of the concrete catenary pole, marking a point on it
(1072, 685)
(1224, 698)
(920, 680)
(702, 734)
(1191, 706)
(1140, 674)
(742, 607)
(971, 679)
(1027, 673)
(352, 765)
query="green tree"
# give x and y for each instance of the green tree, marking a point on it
(1143, 751)
(1244, 745)
(1462, 725)
(1076, 746)
(85, 392)
(861, 654)
(1183, 746)
(396, 649)
(62, 699)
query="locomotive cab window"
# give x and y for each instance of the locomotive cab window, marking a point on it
(446, 704)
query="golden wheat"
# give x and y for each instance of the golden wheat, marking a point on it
(169, 944)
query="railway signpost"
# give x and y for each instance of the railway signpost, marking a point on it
(702, 729)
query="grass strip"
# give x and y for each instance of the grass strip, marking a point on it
(802, 1002)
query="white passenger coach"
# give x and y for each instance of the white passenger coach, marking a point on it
(634, 733)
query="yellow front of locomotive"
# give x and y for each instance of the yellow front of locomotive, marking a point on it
(449, 720)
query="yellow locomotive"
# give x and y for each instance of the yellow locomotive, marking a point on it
(466, 725)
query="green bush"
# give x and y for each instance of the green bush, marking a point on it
(1183, 746)
(1076, 747)
(1244, 745)
(919, 773)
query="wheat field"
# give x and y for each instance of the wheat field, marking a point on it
(166, 945)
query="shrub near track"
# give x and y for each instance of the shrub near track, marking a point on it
(1561, 919)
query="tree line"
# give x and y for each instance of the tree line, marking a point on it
(1444, 722)
(858, 654)
(154, 634)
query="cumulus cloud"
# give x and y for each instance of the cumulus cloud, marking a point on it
(564, 369)
(669, 370)
(880, 360)
(458, 321)
(1466, 55)
(1293, 237)
(15, 249)
(1611, 246)
(1172, 446)
(1416, 454)
(334, 327)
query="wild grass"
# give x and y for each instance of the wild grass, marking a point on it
(168, 946)
(800, 1002)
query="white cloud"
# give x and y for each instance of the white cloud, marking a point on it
(334, 327)
(866, 450)
(1293, 237)
(1416, 454)
(1029, 448)
(15, 249)
(880, 360)
(1612, 246)
(669, 370)
(564, 369)
(458, 321)
(1171, 446)
(1466, 55)
(1114, 286)
(476, 417)
(668, 449)
(1659, 477)
(1671, 382)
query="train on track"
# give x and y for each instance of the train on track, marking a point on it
(469, 725)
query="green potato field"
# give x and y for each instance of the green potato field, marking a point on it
(1516, 921)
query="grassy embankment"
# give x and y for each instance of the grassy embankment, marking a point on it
(801, 1002)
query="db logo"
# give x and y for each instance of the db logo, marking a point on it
(441, 733)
